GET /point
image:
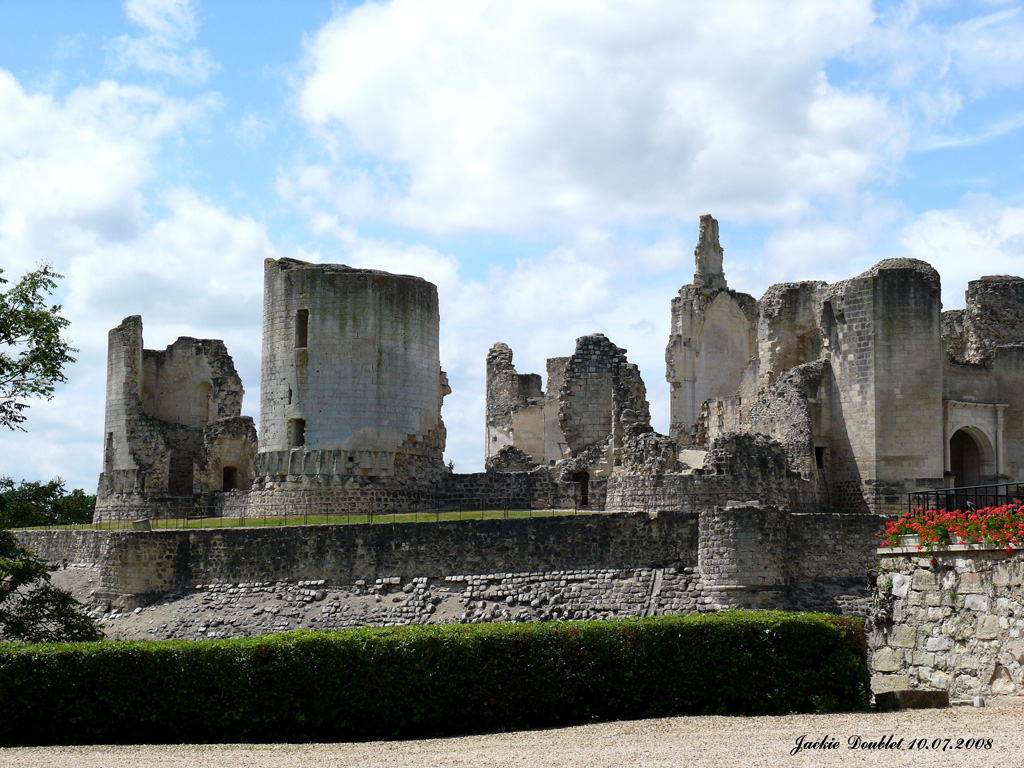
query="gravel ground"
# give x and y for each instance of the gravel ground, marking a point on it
(682, 741)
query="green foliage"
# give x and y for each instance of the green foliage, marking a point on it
(33, 354)
(35, 503)
(420, 681)
(32, 609)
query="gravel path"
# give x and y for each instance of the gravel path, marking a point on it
(684, 741)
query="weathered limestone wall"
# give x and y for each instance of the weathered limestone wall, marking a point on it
(712, 337)
(508, 394)
(951, 620)
(351, 381)
(594, 565)
(883, 332)
(173, 429)
(908, 384)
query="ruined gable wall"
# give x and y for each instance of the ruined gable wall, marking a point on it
(712, 340)
(193, 382)
(599, 385)
(508, 394)
(712, 337)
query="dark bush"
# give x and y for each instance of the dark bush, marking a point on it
(435, 680)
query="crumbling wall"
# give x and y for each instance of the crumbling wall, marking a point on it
(519, 414)
(994, 315)
(712, 337)
(173, 425)
(789, 409)
(788, 328)
(600, 386)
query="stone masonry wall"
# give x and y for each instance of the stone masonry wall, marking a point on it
(951, 620)
(245, 581)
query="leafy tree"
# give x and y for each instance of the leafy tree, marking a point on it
(35, 503)
(33, 353)
(31, 608)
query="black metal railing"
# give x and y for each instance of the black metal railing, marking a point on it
(967, 497)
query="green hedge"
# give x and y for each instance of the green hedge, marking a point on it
(434, 680)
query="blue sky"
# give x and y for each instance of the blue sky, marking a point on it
(545, 164)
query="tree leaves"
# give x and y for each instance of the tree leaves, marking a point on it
(33, 353)
(32, 609)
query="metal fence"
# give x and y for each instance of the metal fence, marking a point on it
(966, 498)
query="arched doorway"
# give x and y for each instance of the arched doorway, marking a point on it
(965, 459)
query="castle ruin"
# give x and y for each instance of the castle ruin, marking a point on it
(817, 397)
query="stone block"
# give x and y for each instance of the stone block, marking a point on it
(938, 644)
(924, 581)
(893, 700)
(903, 637)
(886, 660)
(988, 628)
(881, 683)
(971, 583)
(976, 602)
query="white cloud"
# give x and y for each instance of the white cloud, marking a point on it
(169, 27)
(979, 237)
(71, 170)
(511, 115)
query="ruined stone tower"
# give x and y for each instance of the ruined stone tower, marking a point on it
(173, 430)
(351, 380)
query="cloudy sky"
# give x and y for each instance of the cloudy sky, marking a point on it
(544, 163)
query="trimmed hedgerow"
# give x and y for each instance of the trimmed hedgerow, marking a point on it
(434, 680)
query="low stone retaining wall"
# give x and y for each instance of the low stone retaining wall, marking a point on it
(589, 566)
(950, 620)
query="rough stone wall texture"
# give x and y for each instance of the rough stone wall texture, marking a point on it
(172, 424)
(351, 380)
(788, 328)
(594, 566)
(954, 624)
(600, 387)
(789, 410)
(994, 315)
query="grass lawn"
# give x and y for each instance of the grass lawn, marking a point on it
(298, 518)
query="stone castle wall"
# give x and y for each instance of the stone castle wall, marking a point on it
(605, 565)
